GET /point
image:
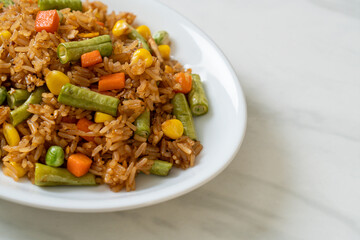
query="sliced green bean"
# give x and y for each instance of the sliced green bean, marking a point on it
(50, 176)
(161, 37)
(142, 124)
(197, 98)
(89, 100)
(161, 168)
(20, 114)
(17, 97)
(3, 95)
(7, 2)
(55, 156)
(182, 112)
(61, 16)
(72, 51)
(136, 35)
(75, 5)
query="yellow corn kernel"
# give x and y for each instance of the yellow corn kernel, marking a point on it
(144, 55)
(102, 117)
(11, 134)
(55, 80)
(88, 35)
(121, 27)
(144, 31)
(164, 51)
(172, 128)
(19, 171)
(5, 35)
(168, 69)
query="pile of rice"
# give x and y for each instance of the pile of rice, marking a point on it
(118, 156)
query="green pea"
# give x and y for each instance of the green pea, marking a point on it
(54, 156)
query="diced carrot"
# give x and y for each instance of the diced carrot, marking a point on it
(68, 119)
(78, 164)
(83, 125)
(100, 23)
(47, 20)
(112, 81)
(91, 58)
(185, 81)
(88, 138)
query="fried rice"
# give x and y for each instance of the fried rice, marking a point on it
(118, 154)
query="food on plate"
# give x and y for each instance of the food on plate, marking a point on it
(197, 98)
(182, 112)
(90, 97)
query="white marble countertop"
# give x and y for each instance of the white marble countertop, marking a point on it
(297, 174)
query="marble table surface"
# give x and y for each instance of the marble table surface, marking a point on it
(297, 173)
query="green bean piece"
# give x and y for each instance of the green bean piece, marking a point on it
(17, 97)
(182, 112)
(72, 51)
(3, 95)
(161, 168)
(89, 100)
(7, 2)
(20, 114)
(55, 156)
(61, 16)
(161, 38)
(75, 5)
(197, 98)
(50, 176)
(142, 124)
(136, 35)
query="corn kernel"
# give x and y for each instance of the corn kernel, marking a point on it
(11, 134)
(121, 27)
(19, 171)
(55, 80)
(168, 69)
(88, 35)
(164, 51)
(144, 55)
(172, 128)
(102, 117)
(144, 31)
(5, 35)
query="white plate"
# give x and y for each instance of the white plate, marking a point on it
(220, 131)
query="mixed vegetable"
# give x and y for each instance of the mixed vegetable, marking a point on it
(20, 114)
(73, 51)
(190, 98)
(142, 124)
(75, 5)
